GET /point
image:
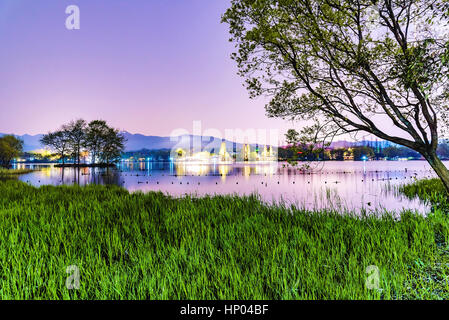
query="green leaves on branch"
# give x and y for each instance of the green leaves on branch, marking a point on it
(10, 148)
(378, 67)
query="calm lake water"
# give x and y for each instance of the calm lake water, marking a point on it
(348, 185)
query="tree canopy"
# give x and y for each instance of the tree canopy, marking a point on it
(351, 66)
(101, 142)
(10, 148)
(59, 142)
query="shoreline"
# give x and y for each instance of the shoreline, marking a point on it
(84, 165)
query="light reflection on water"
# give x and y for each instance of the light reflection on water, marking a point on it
(339, 185)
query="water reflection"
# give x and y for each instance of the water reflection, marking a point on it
(341, 185)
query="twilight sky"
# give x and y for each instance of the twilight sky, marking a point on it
(145, 66)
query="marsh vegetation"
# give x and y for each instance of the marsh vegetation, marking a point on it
(152, 246)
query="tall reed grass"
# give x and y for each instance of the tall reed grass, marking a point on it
(151, 246)
(13, 172)
(431, 191)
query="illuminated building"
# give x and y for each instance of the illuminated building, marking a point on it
(223, 154)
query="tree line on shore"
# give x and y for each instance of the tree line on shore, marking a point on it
(102, 143)
(10, 148)
(357, 153)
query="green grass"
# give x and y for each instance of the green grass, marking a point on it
(150, 246)
(13, 172)
(431, 191)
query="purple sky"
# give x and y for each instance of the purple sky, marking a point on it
(146, 66)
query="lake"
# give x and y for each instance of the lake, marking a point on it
(341, 185)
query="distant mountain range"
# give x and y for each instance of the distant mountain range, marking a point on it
(30, 143)
(137, 142)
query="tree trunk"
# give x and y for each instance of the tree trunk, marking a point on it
(440, 169)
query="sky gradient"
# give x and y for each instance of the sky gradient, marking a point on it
(145, 66)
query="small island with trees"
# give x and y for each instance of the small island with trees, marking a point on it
(95, 140)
